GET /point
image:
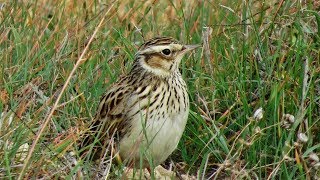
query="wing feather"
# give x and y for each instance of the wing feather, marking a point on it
(109, 121)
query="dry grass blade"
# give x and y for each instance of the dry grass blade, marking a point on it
(206, 34)
(47, 120)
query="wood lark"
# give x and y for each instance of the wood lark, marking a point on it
(144, 112)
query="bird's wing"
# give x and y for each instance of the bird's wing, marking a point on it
(109, 120)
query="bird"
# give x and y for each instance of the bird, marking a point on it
(144, 113)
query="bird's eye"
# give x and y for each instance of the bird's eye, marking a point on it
(166, 52)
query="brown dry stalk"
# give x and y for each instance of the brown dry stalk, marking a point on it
(47, 120)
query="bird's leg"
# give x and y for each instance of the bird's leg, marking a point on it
(151, 171)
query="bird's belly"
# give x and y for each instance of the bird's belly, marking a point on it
(154, 140)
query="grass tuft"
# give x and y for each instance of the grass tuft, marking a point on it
(255, 55)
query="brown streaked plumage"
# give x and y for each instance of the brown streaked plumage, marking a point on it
(145, 111)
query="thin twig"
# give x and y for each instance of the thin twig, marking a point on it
(47, 120)
(72, 99)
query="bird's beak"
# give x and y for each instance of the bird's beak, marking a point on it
(187, 48)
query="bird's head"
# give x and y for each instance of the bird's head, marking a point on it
(162, 55)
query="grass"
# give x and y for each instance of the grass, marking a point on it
(254, 55)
